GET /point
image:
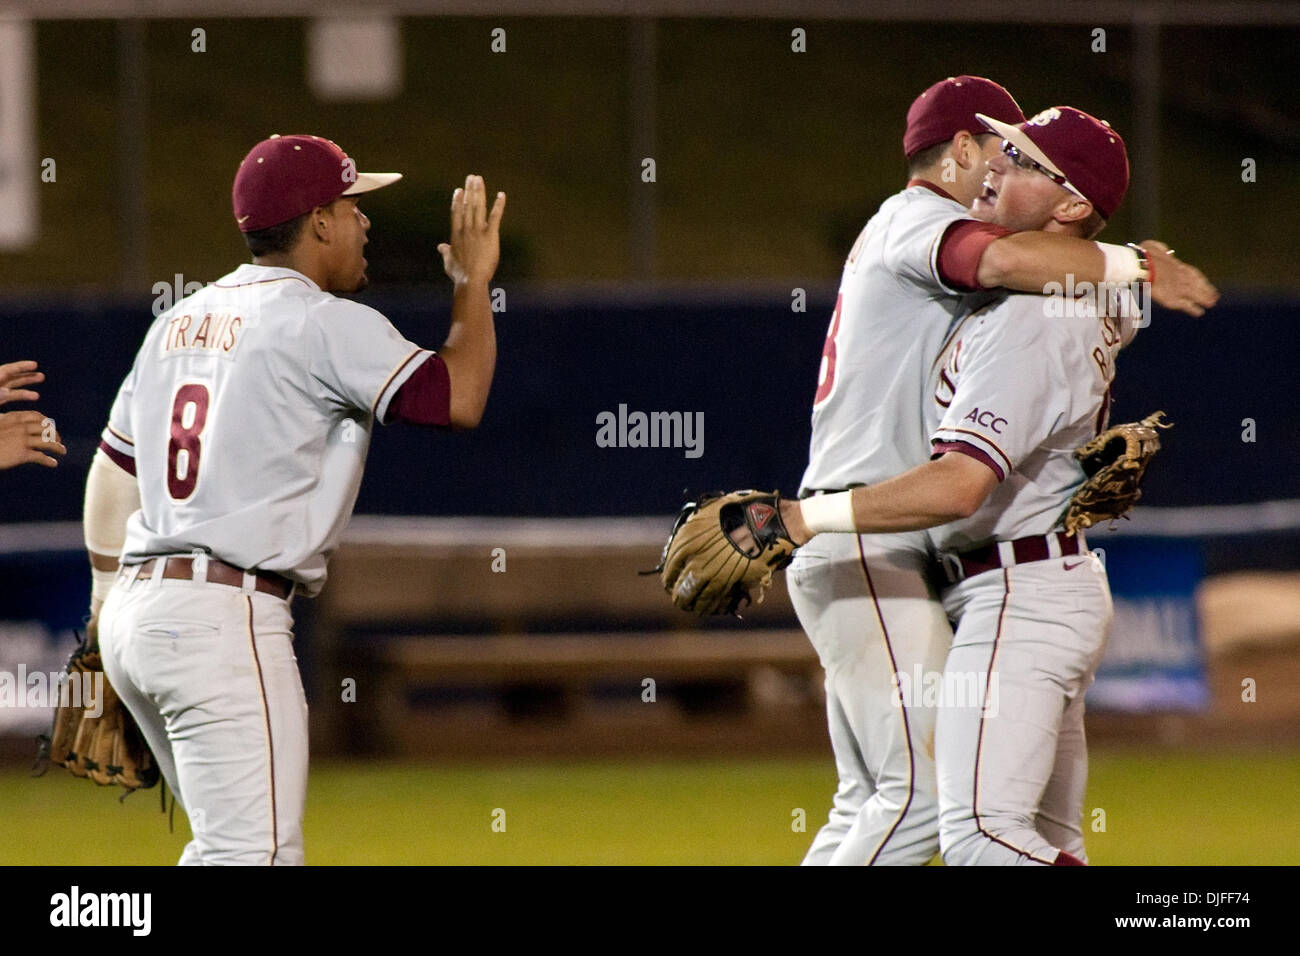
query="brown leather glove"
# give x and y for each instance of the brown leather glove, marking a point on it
(1114, 462)
(723, 551)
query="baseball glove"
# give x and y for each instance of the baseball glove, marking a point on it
(1114, 462)
(94, 735)
(722, 552)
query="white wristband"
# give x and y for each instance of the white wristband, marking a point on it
(101, 582)
(822, 513)
(1123, 265)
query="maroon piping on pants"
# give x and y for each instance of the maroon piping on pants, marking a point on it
(979, 745)
(907, 730)
(270, 743)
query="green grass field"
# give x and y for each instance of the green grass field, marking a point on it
(1159, 809)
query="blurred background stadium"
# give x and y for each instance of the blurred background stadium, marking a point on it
(484, 642)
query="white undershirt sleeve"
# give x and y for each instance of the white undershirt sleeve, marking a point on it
(112, 496)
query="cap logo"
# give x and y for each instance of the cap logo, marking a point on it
(1045, 117)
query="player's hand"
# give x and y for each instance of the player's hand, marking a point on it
(14, 376)
(475, 246)
(28, 438)
(1178, 285)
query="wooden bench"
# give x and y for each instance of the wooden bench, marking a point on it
(560, 643)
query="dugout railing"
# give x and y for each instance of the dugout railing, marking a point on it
(520, 635)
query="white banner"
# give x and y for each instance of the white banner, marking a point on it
(19, 169)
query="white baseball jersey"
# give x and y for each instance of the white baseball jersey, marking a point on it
(863, 600)
(1020, 387)
(891, 315)
(248, 413)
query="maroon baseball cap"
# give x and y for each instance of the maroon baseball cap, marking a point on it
(286, 176)
(1081, 149)
(951, 105)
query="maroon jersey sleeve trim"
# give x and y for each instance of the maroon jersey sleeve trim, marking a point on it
(425, 397)
(961, 248)
(380, 407)
(122, 460)
(120, 437)
(965, 448)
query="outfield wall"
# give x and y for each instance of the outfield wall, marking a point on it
(740, 360)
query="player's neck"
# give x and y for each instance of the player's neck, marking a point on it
(1075, 230)
(932, 178)
(287, 260)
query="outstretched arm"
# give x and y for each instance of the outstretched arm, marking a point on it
(1029, 261)
(948, 488)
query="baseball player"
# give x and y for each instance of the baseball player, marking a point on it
(24, 436)
(1011, 396)
(864, 600)
(229, 468)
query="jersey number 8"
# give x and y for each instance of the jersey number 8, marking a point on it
(826, 374)
(189, 415)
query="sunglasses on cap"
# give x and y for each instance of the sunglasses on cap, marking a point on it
(1024, 162)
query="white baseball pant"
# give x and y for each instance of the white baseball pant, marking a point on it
(1013, 772)
(867, 609)
(209, 673)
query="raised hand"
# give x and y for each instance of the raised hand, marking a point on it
(475, 246)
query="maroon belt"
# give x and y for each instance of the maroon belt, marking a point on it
(182, 569)
(966, 564)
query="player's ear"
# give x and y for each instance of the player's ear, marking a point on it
(318, 221)
(966, 150)
(1072, 209)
